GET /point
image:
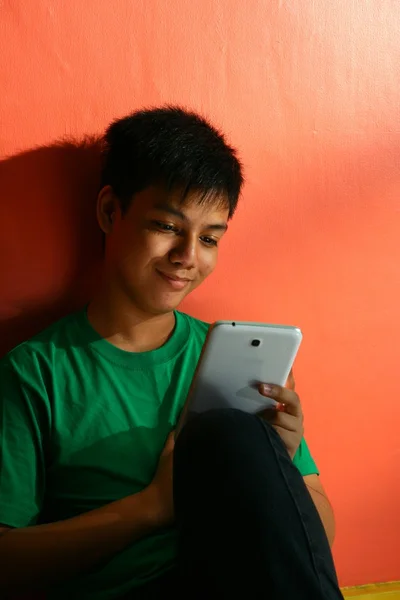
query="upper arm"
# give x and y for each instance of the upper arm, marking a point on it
(307, 467)
(304, 461)
(322, 504)
(314, 482)
(22, 471)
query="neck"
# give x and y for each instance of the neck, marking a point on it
(122, 324)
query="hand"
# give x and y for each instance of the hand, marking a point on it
(287, 417)
(160, 492)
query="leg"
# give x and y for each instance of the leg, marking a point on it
(247, 524)
(160, 589)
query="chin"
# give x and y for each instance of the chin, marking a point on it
(164, 306)
(167, 308)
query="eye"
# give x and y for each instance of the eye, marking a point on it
(209, 241)
(167, 227)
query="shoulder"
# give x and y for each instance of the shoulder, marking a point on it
(43, 347)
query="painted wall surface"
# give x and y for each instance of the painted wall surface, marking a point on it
(309, 92)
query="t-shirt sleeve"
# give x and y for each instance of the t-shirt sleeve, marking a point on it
(22, 463)
(304, 461)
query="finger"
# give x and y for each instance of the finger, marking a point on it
(282, 395)
(170, 443)
(291, 383)
(282, 420)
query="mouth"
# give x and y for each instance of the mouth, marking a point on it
(177, 283)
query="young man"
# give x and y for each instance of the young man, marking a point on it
(96, 503)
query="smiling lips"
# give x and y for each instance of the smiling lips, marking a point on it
(177, 283)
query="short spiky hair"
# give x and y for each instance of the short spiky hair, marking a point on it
(172, 147)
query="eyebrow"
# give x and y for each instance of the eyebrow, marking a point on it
(167, 208)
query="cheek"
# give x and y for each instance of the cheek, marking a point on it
(207, 263)
(138, 250)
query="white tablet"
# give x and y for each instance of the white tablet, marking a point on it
(236, 357)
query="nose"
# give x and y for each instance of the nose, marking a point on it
(184, 253)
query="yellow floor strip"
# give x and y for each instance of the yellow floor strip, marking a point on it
(377, 591)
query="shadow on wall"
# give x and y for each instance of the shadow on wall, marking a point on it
(50, 243)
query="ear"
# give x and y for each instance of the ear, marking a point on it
(107, 209)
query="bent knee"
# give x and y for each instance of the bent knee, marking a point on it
(221, 425)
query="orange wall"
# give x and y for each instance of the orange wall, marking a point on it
(309, 92)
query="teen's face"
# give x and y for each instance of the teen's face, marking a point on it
(161, 249)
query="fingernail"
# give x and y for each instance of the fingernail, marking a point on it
(267, 389)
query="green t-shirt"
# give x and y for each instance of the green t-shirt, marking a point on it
(83, 423)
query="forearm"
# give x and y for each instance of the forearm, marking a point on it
(325, 512)
(47, 554)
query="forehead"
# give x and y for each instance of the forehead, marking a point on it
(195, 205)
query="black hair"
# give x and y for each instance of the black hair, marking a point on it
(171, 147)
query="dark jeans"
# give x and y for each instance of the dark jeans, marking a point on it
(247, 524)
